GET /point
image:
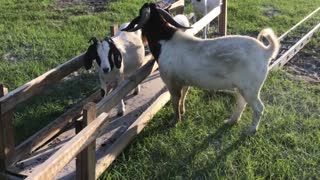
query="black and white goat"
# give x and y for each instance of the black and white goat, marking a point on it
(117, 58)
(201, 8)
(231, 62)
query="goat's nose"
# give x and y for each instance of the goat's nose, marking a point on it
(105, 70)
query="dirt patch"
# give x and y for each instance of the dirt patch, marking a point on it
(10, 56)
(306, 65)
(270, 11)
(90, 5)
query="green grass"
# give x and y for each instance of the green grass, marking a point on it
(202, 147)
(36, 36)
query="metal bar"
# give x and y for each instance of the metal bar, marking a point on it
(294, 49)
(295, 26)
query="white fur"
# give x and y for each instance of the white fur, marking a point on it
(229, 62)
(201, 8)
(182, 19)
(132, 50)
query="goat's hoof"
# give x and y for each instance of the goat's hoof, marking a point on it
(252, 130)
(120, 114)
(135, 93)
(230, 122)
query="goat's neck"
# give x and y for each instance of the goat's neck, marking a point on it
(157, 30)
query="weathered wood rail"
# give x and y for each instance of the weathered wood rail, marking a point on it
(90, 120)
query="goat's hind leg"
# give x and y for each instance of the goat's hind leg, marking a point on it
(137, 90)
(257, 106)
(241, 104)
(258, 109)
(184, 93)
(175, 93)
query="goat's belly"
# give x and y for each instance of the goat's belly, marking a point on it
(204, 81)
(208, 82)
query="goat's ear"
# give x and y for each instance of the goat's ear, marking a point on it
(90, 55)
(117, 59)
(114, 53)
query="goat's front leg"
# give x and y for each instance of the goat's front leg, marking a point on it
(121, 105)
(175, 93)
(241, 104)
(121, 108)
(103, 85)
(184, 93)
(258, 109)
(137, 90)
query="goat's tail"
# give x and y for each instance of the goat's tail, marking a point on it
(274, 44)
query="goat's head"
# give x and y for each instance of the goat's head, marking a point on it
(148, 13)
(106, 54)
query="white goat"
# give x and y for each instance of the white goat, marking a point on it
(239, 62)
(124, 51)
(201, 8)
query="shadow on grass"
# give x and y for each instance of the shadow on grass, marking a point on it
(222, 155)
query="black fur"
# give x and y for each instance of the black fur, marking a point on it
(155, 29)
(91, 54)
(102, 93)
(114, 56)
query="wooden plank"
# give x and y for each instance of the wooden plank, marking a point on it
(36, 85)
(64, 155)
(177, 7)
(49, 131)
(300, 22)
(121, 142)
(151, 88)
(53, 128)
(6, 134)
(114, 29)
(223, 18)
(86, 160)
(196, 27)
(6, 176)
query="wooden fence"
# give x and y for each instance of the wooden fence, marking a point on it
(92, 118)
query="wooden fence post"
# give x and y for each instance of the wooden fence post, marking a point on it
(86, 160)
(6, 134)
(223, 18)
(114, 29)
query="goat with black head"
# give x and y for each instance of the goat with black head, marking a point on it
(230, 62)
(117, 58)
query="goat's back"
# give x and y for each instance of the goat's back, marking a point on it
(214, 63)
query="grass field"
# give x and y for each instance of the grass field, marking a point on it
(36, 35)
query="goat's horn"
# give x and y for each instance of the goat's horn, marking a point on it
(94, 39)
(170, 20)
(140, 20)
